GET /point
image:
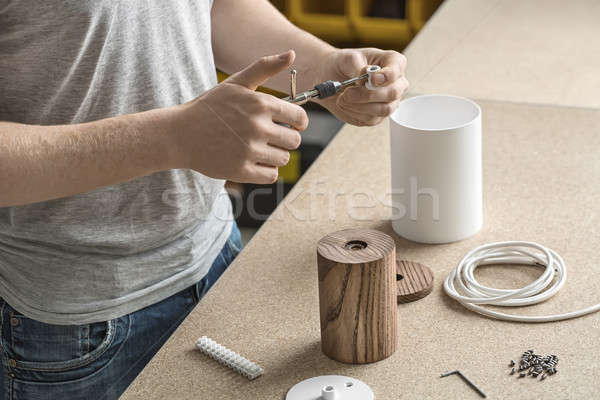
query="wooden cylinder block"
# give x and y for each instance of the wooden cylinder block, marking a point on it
(357, 295)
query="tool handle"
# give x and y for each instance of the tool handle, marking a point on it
(328, 88)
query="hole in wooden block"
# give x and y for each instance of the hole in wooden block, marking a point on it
(399, 277)
(355, 245)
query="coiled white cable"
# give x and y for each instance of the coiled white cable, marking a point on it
(515, 252)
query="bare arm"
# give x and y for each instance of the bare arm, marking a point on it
(40, 163)
(245, 29)
(229, 132)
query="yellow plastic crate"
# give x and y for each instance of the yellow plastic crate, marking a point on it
(279, 4)
(344, 21)
(384, 32)
(419, 11)
(290, 173)
(325, 19)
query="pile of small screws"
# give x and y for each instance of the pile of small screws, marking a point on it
(534, 365)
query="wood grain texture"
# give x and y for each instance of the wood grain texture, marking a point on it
(416, 281)
(357, 295)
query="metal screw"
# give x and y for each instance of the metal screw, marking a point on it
(293, 84)
(535, 365)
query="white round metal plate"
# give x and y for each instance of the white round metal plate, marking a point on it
(346, 388)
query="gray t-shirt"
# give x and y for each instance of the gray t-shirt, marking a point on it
(102, 254)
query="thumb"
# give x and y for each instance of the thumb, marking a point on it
(262, 69)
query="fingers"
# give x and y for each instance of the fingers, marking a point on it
(263, 174)
(373, 109)
(386, 94)
(283, 137)
(369, 107)
(258, 72)
(359, 118)
(271, 156)
(353, 62)
(290, 114)
(283, 112)
(392, 66)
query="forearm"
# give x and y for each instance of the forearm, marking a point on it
(39, 163)
(244, 30)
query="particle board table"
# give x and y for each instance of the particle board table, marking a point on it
(541, 174)
(541, 183)
(533, 51)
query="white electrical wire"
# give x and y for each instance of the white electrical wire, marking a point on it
(515, 252)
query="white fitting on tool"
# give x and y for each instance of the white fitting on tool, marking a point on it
(330, 387)
(371, 69)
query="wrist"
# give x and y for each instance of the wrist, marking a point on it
(323, 72)
(327, 70)
(158, 131)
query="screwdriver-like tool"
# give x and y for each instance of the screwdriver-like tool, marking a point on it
(324, 89)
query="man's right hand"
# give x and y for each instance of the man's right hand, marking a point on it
(229, 132)
(233, 132)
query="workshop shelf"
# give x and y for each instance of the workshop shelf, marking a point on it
(383, 32)
(419, 11)
(325, 19)
(345, 21)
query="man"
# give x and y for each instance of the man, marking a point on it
(114, 143)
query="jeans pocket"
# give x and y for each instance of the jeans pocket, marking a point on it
(31, 345)
(232, 253)
(234, 242)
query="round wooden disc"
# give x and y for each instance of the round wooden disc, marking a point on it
(414, 280)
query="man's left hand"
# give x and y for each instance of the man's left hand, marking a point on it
(358, 105)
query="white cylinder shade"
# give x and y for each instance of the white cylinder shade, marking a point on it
(436, 168)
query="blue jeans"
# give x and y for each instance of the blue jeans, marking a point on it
(99, 360)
